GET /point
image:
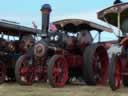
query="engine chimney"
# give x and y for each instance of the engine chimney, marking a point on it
(45, 10)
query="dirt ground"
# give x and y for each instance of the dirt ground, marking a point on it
(43, 89)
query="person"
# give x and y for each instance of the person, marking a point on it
(117, 2)
(85, 37)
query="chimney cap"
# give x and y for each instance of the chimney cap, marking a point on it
(46, 7)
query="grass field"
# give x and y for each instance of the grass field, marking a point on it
(43, 89)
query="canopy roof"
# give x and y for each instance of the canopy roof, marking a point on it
(111, 13)
(75, 25)
(16, 30)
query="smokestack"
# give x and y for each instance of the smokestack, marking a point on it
(45, 10)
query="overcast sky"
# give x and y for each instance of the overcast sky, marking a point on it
(26, 11)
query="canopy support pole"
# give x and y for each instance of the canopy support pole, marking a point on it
(118, 22)
(99, 37)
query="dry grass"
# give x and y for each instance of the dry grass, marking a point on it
(43, 89)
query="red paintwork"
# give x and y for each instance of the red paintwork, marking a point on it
(60, 74)
(40, 68)
(117, 73)
(107, 45)
(25, 72)
(74, 61)
(40, 73)
(72, 53)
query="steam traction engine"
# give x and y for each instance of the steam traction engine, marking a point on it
(68, 52)
(15, 41)
(118, 72)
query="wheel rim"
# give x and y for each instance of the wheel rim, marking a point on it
(117, 73)
(26, 72)
(59, 72)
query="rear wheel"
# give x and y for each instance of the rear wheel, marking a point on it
(115, 72)
(24, 71)
(2, 72)
(95, 65)
(57, 71)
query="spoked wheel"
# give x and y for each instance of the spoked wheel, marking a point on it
(95, 65)
(24, 71)
(2, 72)
(115, 72)
(57, 71)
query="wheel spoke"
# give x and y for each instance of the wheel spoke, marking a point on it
(57, 72)
(23, 70)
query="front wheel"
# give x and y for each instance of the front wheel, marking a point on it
(57, 71)
(115, 72)
(24, 71)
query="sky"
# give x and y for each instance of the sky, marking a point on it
(26, 11)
